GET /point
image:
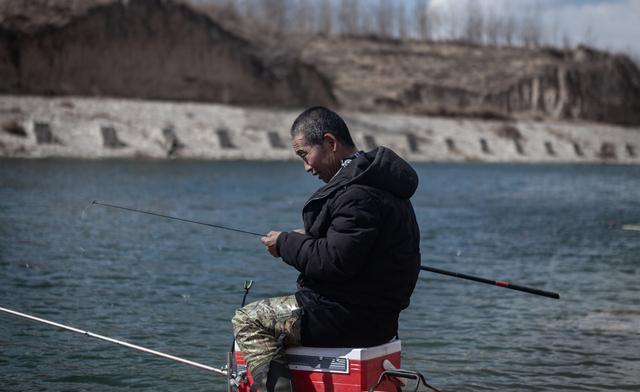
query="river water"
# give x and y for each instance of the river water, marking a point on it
(173, 286)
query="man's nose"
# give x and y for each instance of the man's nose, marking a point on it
(307, 168)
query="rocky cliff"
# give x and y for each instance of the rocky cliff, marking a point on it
(447, 78)
(162, 49)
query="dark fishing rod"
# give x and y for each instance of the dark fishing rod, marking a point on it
(498, 283)
(176, 218)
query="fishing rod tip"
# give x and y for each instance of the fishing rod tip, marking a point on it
(84, 210)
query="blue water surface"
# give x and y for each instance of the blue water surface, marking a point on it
(173, 286)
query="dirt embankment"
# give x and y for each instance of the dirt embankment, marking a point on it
(165, 49)
(456, 79)
(143, 49)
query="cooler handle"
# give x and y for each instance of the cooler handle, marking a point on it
(401, 373)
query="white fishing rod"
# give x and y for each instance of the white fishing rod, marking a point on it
(118, 342)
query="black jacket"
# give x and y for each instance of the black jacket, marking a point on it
(360, 259)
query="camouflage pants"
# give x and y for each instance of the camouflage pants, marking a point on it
(264, 328)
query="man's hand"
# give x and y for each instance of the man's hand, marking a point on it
(270, 241)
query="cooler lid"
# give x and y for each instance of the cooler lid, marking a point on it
(358, 354)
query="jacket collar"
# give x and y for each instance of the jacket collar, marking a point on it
(345, 175)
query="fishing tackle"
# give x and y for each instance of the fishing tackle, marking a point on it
(236, 378)
(497, 283)
(115, 341)
(349, 369)
(94, 202)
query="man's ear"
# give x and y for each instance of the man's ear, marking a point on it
(331, 141)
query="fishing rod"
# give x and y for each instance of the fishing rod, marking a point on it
(497, 283)
(115, 341)
(176, 218)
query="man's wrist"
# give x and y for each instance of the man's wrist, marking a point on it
(280, 241)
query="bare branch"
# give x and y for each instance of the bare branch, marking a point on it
(384, 18)
(349, 17)
(474, 23)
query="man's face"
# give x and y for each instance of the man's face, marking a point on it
(318, 159)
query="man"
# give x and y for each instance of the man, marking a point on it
(358, 254)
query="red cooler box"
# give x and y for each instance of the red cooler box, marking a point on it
(338, 369)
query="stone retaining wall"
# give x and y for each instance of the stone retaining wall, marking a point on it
(92, 128)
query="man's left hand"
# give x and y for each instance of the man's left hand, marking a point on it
(270, 241)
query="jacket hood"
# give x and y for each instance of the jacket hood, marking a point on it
(379, 168)
(383, 169)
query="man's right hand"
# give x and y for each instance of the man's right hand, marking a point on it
(270, 242)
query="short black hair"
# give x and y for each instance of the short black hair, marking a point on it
(317, 121)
